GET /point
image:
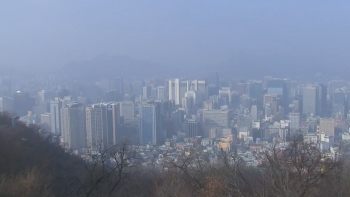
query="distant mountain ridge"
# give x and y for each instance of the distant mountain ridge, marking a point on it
(111, 66)
(241, 66)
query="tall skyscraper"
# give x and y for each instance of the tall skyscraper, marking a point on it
(177, 90)
(192, 128)
(94, 127)
(73, 126)
(146, 92)
(254, 90)
(226, 96)
(183, 88)
(254, 113)
(161, 93)
(127, 110)
(151, 125)
(309, 100)
(55, 108)
(103, 125)
(201, 87)
(322, 106)
(241, 88)
(338, 105)
(294, 121)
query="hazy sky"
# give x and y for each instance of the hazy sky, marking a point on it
(38, 33)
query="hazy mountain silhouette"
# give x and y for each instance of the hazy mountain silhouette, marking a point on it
(241, 65)
(244, 65)
(111, 66)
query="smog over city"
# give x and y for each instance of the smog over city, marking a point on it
(174, 98)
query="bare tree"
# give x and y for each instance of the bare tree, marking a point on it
(105, 170)
(293, 171)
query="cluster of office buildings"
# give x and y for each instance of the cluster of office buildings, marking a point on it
(184, 113)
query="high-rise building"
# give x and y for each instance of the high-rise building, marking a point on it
(6, 104)
(226, 96)
(309, 99)
(41, 97)
(199, 86)
(55, 108)
(254, 113)
(127, 110)
(171, 90)
(177, 90)
(183, 88)
(22, 103)
(45, 120)
(192, 128)
(161, 93)
(327, 126)
(151, 125)
(333, 85)
(338, 105)
(94, 127)
(146, 92)
(73, 126)
(322, 106)
(103, 125)
(294, 121)
(254, 90)
(216, 118)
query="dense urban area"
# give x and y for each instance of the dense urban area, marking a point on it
(192, 128)
(179, 114)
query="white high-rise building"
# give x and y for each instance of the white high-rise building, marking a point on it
(161, 93)
(171, 89)
(177, 89)
(184, 85)
(55, 108)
